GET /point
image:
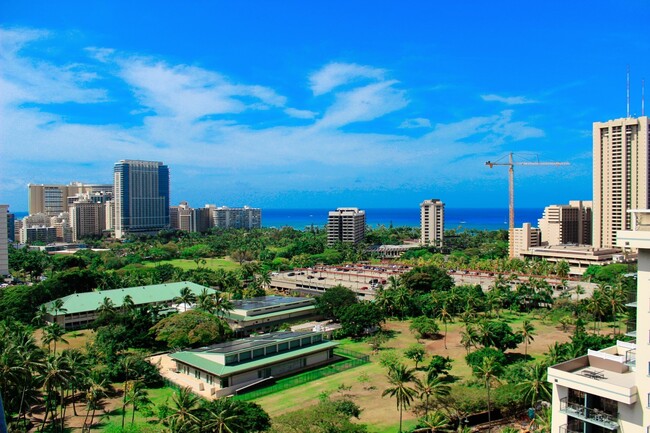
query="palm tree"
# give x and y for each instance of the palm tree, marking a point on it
(527, 331)
(205, 301)
(53, 333)
(444, 315)
(222, 305)
(127, 304)
(435, 421)
(106, 308)
(78, 364)
(55, 377)
(182, 417)
(223, 420)
(95, 392)
(535, 387)
(431, 386)
(186, 297)
(469, 337)
(137, 397)
(487, 371)
(399, 376)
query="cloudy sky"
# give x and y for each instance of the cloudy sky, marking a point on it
(291, 104)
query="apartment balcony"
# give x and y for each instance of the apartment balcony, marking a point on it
(603, 373)
(593, 416)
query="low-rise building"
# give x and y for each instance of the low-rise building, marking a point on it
(265, 313)
(226, 368)
(579, 257)
(81, 309)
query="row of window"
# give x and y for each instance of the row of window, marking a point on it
(273, 349)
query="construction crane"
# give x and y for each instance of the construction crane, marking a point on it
(511, 186)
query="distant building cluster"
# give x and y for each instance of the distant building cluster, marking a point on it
(136, 203)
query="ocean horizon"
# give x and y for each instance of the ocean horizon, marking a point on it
(455, 218)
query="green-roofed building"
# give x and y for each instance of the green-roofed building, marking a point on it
(229, 368)
(81, 309)
(265, 313)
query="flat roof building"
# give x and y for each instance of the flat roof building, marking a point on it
(525, 238)
(621, 170)
(432, 222)
(53, 199)
(246, 217)
(226, 368)
(347, 225)
(264, 313)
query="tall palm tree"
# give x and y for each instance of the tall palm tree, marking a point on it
(487, 371)
(205, 301)
(53, 333)
(127, 304)
(55, 377)
(399, 376)
(223, 420)
(106, 308)
(528, 333)
(96, 391)
(222, 305)
(445, 317)
(78, 364)
(431, 386)
(186, 297)
(137, 397)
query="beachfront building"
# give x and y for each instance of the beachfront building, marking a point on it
(347, 225)
(4, 240)
(432, 222)
(525, 238)
(226, 368)
(609, 390)
(264, 313)
(567, 224)
(621, 170)
(79, 310)
(141, 196)
(246, 217)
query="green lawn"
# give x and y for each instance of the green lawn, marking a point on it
(184, 264)
(157, 396)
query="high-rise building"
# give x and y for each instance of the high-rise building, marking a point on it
(236, 218)
(346, 224)
(141, 197)
(4, 241)
(621, 175)
(567, 224)
(524, 238)
(54, 199)
(432, 222)
(609, 390)
(87, 218)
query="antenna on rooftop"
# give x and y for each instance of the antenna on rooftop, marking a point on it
(628, 90)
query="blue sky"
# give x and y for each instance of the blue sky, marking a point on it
(316, 104)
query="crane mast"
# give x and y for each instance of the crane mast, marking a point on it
(511, 190)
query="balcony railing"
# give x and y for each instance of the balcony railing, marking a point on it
(593, 416)
(566, 429)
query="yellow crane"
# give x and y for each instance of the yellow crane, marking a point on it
(511, 184)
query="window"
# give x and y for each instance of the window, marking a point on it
(197, 373)
(306, 341)
(283, 346)
(271, 349)
(231, 359)
(244, 356)
(294, 344)
(257, 353)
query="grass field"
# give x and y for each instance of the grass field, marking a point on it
(212, 264)
(366, 383)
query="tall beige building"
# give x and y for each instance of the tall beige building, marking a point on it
(432, 222)
(54, 199)
(4, 242)
(609, 390)
(621, 175)
(524, 238)
(347, 225)
(567, 224)
(87, 218)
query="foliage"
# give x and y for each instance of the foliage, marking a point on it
(192, 328)
(475, 359)
(608, 274)
(415, 353)
(327, 417)
(439, 365)
(498, 334)
(360, 319)
(335, 299)
(427, 279)
(424, 327)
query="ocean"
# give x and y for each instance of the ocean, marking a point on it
(455, 218)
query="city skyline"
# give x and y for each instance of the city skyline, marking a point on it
(322, 105)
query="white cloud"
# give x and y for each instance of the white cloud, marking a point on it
(337, 74)
(418, 122)
(364, 104)
(36, 81)
(508, 100)
(300, 114)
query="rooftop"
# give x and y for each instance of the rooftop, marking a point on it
(90, 301)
